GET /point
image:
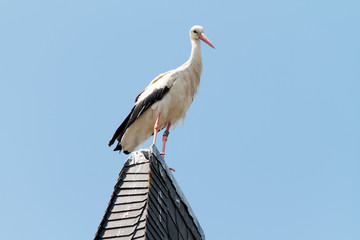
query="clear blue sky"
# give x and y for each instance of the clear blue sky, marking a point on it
(271, 144)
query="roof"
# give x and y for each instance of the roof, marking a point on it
(147, 203)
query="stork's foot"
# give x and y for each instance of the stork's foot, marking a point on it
(163, 155)
(165, 138)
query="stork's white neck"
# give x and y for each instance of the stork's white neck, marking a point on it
(195, 60)
(195, 50)
(193, 69)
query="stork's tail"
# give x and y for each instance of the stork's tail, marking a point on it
(119, 133)
(118, 147)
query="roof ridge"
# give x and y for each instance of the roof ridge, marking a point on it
(158, 156)
(147, 203)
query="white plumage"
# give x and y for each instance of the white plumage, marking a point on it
(169, 94)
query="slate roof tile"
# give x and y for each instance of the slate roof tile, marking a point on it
(147, 203)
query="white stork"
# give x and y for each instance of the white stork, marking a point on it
(164, 102)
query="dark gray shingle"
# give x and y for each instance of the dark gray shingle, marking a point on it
(147, 203)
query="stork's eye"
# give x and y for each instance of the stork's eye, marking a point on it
(195, 31)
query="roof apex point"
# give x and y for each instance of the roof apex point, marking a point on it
(147, 203)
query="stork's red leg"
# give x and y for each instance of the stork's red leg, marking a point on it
(164, 138)
(156, 127)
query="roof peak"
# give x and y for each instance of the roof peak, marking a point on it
(147, 203)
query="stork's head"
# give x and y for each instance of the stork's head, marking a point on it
(197, 33)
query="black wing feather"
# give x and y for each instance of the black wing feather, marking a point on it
(136, 112)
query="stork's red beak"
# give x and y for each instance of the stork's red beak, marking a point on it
(205, 39)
